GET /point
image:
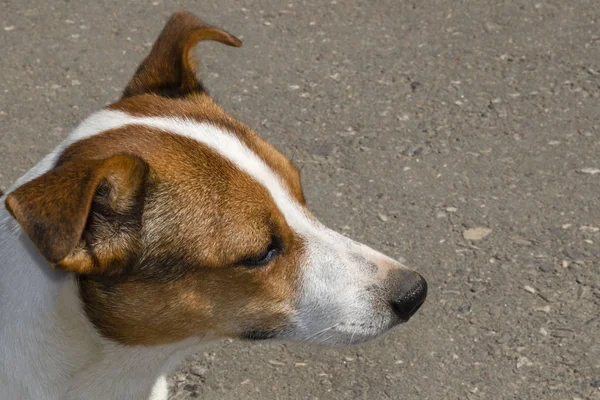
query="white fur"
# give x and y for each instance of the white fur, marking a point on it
(48, 348)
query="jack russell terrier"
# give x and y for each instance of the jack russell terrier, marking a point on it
(162, 223)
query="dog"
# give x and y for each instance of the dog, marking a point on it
(162, 223)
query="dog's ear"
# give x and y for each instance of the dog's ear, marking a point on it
(169, 70)
(84, 216)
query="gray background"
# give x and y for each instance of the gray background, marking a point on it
(412, 121)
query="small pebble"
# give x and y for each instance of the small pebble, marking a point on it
(543, 331)
(524, 362)
(491, 26)
(529, 289)
(191, 388)
(476, 234)
(589, 171)
(545, 309)
(477, 286)
(521, 241)
(383, 217)
(465, 308)
(412, 151)
(275, 362)
(547, 267)
(451, 209)
(198, 370)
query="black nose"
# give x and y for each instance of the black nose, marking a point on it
(410, 296)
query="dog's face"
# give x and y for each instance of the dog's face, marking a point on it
(179, 221)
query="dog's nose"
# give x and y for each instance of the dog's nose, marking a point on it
(409, 296)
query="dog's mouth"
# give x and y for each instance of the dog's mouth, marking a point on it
(339, 334)
(258, 335)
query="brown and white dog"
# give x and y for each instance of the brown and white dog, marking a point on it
(162, 223)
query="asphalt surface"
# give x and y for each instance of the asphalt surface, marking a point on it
(415, 123)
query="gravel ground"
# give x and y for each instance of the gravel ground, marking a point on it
(460, 137)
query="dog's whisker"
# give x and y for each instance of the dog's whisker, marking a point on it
(322, 331)
(324, 340)
(351, 337)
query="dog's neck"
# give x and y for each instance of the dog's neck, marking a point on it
(50, 350)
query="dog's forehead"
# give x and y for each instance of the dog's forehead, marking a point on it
(218, 130)
(130, 126)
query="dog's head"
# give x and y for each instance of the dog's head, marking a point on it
(179, 221)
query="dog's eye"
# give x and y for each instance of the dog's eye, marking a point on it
(265, 257)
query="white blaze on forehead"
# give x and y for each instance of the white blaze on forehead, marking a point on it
(234, 150)
(222, 142)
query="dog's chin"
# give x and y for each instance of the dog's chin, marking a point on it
(337, 335)
(349, 338)
(348, 334)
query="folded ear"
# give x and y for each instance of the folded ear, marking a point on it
(84, 216)
(169, 69)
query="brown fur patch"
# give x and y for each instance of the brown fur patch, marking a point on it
(225, 301)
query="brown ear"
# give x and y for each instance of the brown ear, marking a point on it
(169, 69)
(82, 215)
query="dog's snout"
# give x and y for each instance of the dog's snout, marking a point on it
(409, 296)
